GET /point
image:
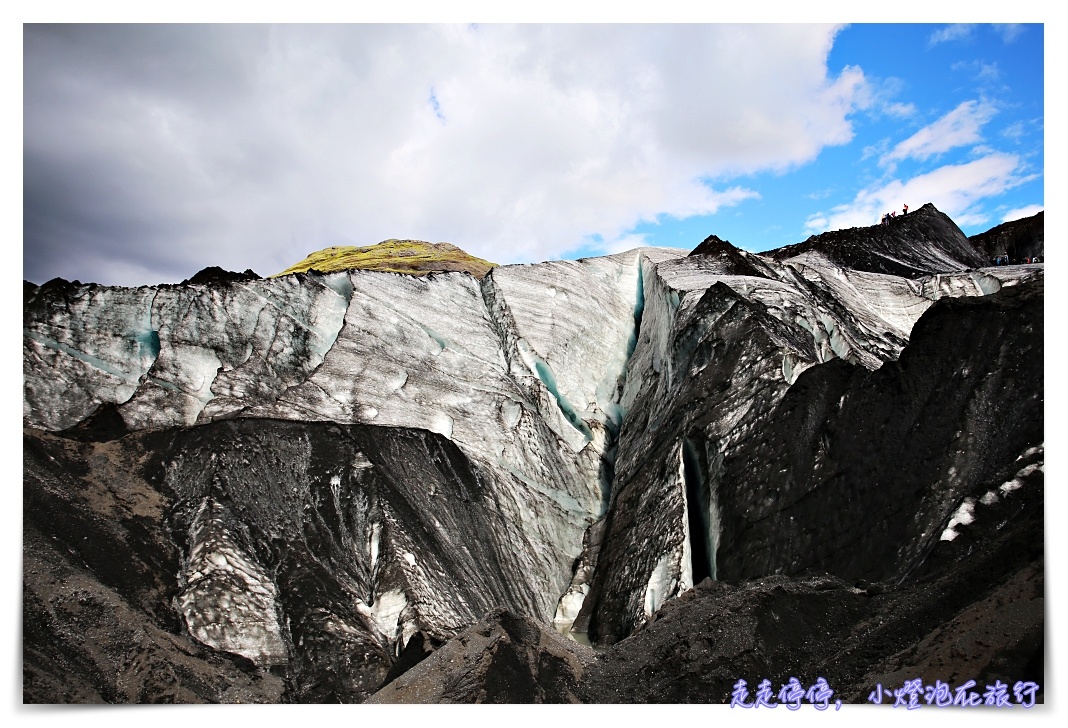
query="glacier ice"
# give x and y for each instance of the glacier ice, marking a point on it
(533, 372)
(228, 600)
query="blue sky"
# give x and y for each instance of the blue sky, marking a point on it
(953, 111)
(152, 151)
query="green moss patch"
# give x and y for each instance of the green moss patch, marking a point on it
(412, 257)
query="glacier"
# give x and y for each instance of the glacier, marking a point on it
(360, 465)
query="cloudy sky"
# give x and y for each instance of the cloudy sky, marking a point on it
(152, 151)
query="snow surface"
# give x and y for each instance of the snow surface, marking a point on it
(964, 515)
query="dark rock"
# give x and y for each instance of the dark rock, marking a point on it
(857, 472)
(503, 658)
(29, 290)
(923, 242)
(852, 472)
(968, 624)
(1018, 239)
(722, 257)
(99, 568)
(419, 648)
(106, 423)
(215, 274)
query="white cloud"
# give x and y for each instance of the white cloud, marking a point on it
(968, 219)
(623, 244)
(988, 72)
(1021, 212)
(955, 189)
(877, 98)
(1014, 131)
(819, 222)
(899, 110)
(957, 31)
(251, 146)
(1009, 31)
(957, 128)
(878, 148)
(985, 72)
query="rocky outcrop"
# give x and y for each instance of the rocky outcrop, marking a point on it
(215, 274)
(1019, 240)
(856, 473)
(723, 258)
(503, 658)
(923, 242)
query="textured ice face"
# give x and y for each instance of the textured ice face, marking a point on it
(228, 600)
(227, 348)
(84, 347)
